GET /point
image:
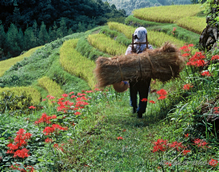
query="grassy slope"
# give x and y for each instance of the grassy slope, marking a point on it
(95, 142)
(6, 64)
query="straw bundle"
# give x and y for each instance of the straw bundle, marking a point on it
(162, 63)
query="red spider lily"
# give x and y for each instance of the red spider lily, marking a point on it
(190, 45)
(61, 99)
(205, 73)
(144, 99)
(32, 107)
(23, 153)
(162, 92)
(52, 97)
(64, 95)
(57, 126)
(44, 100)
(81, 98)
(185, 48)
(216, 57)
(160, 145)
(213, 162)
(73, 96)
(168, 163)
(48, 96)
(200, 143)
(48, 130)
(151, 101)
(119, 138)
(186, 54)
(216, 110)
(186, 151)
(187, 135)
(97, 89)
(58, 147)
(89, 91)
(48, 140)
(79, 94)
(71, 93)
(77, 113)
(161, 97)
(197, 60)
(176, 145)
(187, 86)
(174, 28)
(45, 118)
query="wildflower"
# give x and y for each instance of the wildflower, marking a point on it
(73, 96)
(187, 87)
(216, 110)
(216, 57)
(79, 94)
(176, 145)
(48, 130)
(161, 97)
(197, 60)
(151, 101)
(97, 89)
(23, 153)
(168, 163)
(32, 107)
(200, 143)
(119, 138)
(57, 147)
(144, 99)
(61, 99)
(77, 113)
(71, 93)
(57, 126)
(52, 97)
(186, 55)
(205, 73)
(162, 92)
(44, 100)
(160, 145)
(190, 45)
(184, 48)
(186, 151)
(48, 140)
(64, 95)
(187, 135)
(213, 162)
(48, 96)
(89, 91)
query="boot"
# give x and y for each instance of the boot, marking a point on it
(134, 110)
(139, 115)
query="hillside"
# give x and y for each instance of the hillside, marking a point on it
(130, 5)
(54, 118)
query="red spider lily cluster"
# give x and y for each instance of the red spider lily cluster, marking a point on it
(173, 31)
(32, 107)
(162, 94)
(18, 147)
(213, 162)
(119, 138)
(145, 100)
(216, 110)
(215, 57)
(186, 50)
(53, 128)
(163, 145)
(197, 60)
(205, 73)
(45, 119)
(200, 143)
(187, 86)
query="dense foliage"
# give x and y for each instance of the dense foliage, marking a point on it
(26, 24)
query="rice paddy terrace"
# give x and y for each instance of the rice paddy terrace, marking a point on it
(66, 65)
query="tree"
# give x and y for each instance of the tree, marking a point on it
(2, 35)
(29, 39)
(12, 44)
(62, 30)
(43, 34)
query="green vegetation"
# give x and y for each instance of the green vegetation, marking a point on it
(95, 130)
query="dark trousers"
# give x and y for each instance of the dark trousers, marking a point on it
(141, 87)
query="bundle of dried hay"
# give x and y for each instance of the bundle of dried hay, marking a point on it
(162, 63)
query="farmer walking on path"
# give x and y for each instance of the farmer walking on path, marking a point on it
(141, 85)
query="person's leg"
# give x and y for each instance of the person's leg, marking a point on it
(143, 88)
(133, 95)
